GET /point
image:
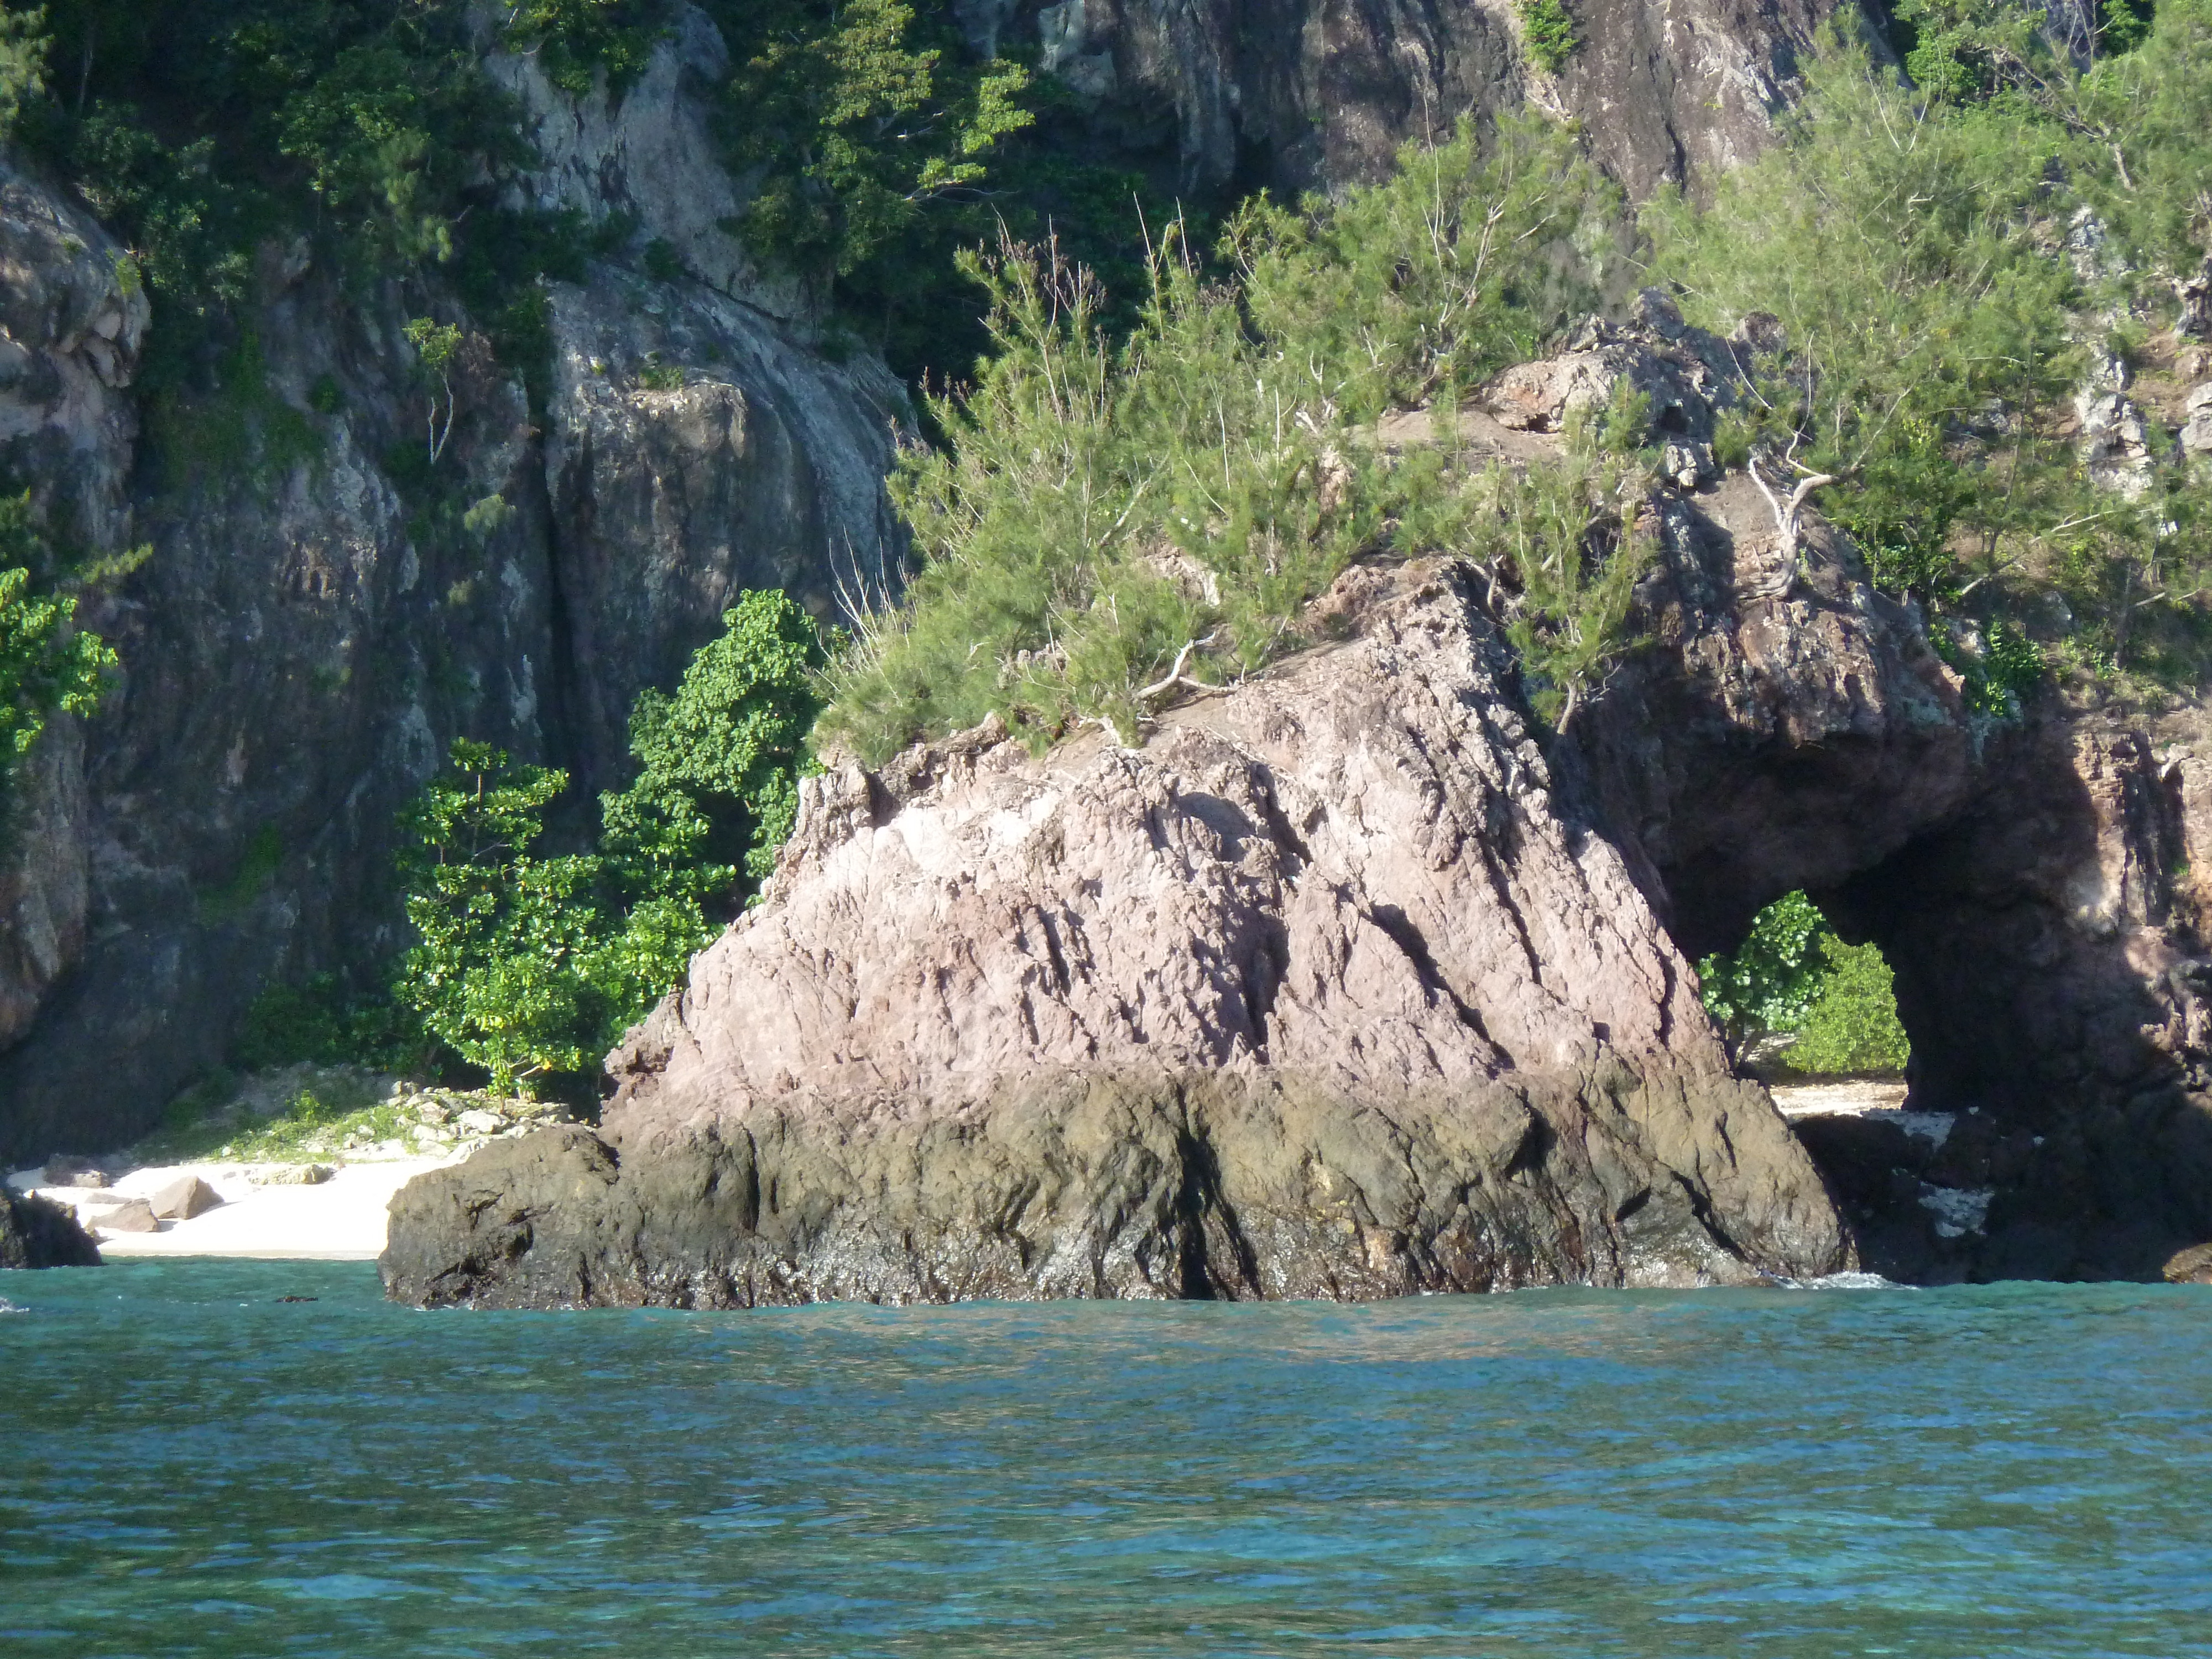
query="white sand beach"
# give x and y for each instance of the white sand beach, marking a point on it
(342, 1219)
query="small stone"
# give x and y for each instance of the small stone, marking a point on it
(133, 1215)
(2191, 1266)
(480, 1123)
(63, 1169)
(184, 1197)
(293, 1174)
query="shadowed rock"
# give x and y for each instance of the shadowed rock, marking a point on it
(37, 1232)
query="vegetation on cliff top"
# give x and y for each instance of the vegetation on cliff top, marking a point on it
(1109, 517)
(1107, 520)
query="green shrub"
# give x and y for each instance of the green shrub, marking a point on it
(575, 37)
(528, 965)
(718, 762)
(22, 62)
(1852, 1024)
(1793, 979)
(1107, 515)
(501, 973)
(1548, 34)
(1769, 981)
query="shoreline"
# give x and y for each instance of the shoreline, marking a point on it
(344, 1218)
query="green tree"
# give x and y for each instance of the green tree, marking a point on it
(503, 971)
(22, 62)
(48, 666)
(1900, 254)
(1769, 982)
(1110, 520)
(575, 37)
(859, 118)
(1547, 32)
(527, 965)
(718, 762)
(1851, 1026)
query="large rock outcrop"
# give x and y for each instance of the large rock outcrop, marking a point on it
(1326, 990)
(2030, 877)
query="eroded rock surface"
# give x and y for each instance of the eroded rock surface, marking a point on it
(1326, 990)
(37, 1232)
(1300, 94)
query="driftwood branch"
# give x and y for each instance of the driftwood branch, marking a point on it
(1175, 675)
(1788, 518)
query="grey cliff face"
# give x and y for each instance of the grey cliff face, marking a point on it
(1303, 94)
(1325, 990)
(298, 652)
(72, 318)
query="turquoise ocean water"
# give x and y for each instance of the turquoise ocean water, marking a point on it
(191, 1466)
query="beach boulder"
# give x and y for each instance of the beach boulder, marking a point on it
(183, 1199)
(37, 1232)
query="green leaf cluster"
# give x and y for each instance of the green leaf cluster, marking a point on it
(48, 666)
(1770, 982)
(22, 61)
(528, 964)
(859, 115)
(367, 134)
(577, 41)
(718, 762)
(1919, 267)
(1793, 978)
(1852, 1026)
(1547, 34)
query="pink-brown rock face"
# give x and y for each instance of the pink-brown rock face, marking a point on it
(1325, 990)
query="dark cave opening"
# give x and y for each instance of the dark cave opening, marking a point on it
(2056, 1124)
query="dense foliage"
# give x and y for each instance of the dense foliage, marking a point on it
(527, 964)
(884, 145)
(1110, 516)
(1947, 261)
(1792, 984)
(1547, 34)
(1852, 1027)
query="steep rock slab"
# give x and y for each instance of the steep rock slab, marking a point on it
(1305, 94)
(1323, 991)
(70, 326)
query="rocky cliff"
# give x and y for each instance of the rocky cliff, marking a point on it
(1299, 94)
(1326, 989)
(311, 626)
